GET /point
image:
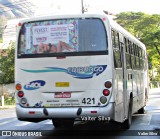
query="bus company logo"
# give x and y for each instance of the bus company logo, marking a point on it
(77, 72)
(86, 72)
(62, 95)
(33, 85)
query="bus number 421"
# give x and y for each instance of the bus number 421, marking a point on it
(88, 101)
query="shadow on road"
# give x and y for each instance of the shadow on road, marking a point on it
(89, 129)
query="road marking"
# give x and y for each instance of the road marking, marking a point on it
(8, 121)
(23, 124)
(48, 122)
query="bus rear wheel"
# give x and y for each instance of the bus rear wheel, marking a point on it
(127, 123)
(141, 111)
(63, 123)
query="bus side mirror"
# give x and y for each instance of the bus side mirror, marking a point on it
(149, 65)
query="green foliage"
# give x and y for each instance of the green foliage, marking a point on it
(7, 65)
(147, 29)
(1, 41)
(2, 24)
(9, 101)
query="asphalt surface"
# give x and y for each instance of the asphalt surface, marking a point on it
(143, 125)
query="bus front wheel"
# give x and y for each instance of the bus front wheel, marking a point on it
(63, 123)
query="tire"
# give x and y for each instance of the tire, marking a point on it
(141, 111)
(127, 123)
(63, 123)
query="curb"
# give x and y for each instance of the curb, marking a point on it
(154, 90)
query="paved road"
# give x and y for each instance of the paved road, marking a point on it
(141, 123)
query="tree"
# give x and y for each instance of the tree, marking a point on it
(7, 64)
(147, 29)
(2, 25)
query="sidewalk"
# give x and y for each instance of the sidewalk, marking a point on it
(154, 90)
(7, 107)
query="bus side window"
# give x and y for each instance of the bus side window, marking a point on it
(134, 49)
(130, 52)
(126, 44)
(140, 50)
(129, 46)
(116, 52)
(128, 57)
(117, 59)
(141, 59)
(137, 58)
(117, 40)
(132, 55)
(113, 39)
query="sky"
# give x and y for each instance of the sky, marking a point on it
(113, 6)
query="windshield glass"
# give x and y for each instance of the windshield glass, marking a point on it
(62, 36)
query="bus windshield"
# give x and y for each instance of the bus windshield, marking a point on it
(62, 36)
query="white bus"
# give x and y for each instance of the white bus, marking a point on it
(76, 67)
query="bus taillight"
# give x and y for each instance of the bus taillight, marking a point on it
(19, 24)
(93, 112)
(31, 112)
(108, 84)
(18, 87)
(106, 92)
(20, 94)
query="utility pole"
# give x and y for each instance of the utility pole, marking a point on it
(82, 6)
(2, 93)
(1, 73)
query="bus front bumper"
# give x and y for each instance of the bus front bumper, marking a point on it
(69, 112)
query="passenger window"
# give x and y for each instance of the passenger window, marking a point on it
(117, 59)
(126, 44)
(117, 40)
(113, 38)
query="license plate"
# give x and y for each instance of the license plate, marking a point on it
(62, 84)
(62, 95)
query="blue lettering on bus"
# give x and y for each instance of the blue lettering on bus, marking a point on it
(77, 72)
(34, 85)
